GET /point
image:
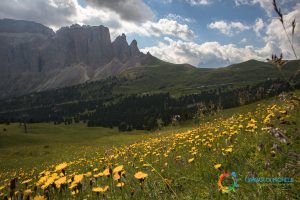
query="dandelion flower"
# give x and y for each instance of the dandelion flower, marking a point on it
(88, 174)
(228, 150)
(98, 175)
(106, 172)
(78, 178)
(39, 197)
(191, 160)
(140, 175)
(97, 189)
(116, 177)
(100, 189)
(217, 166)
(60, 181)
(26, 181)
(118, 169)
(121, 184)
(95, 170)
(61, 166)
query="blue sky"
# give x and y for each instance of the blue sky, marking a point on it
(201, 16)
(204, 33)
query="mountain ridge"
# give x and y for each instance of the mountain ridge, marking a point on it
(33, 57)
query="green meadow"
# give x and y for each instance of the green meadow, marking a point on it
(180, 162)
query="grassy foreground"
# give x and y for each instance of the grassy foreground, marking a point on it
(182, 162)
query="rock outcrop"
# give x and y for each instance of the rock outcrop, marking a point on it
(33, 57)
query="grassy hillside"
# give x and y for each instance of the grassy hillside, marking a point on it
(181, 162)
(46, 143)
(184, 79)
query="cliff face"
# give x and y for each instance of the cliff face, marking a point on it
(34, 58)
(78, 44)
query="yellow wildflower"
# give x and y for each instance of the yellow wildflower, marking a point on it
(217, 166)
(100, 189)
(78, 178)
(140, 175)
(228, 150)
(116, 176)
(121, 184)
(98, 175)
(60, 181)
(118, 169)
(106, 172)
(61, 166)
(39, 197)
(26, 181)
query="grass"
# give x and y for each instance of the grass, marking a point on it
(46, 143)
(179, 160)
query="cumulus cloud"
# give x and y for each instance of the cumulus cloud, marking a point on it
(119, 15)
(207, 54)
(130, 10)
(48, 12)
(265, 4)
(198, 2)
(179, 18)
(228, 28)
(166, 1)
(169, 27)
(192, 2)
(276, 34)
(244, 41)
(258, 26)
(214, 54)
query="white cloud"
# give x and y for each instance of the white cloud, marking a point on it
(198, 2)
(117, 25)
(265, 4)
(276, 34)
(47, 12)
(258, 26)
(244, 41)
(207, 54)
(58, 13)
(168, 27)
(166, 1)
(214, 54)
(179, 18)
(230, 28)
(129, 10)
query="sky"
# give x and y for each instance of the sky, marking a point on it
(203, 33)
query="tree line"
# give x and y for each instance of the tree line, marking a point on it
(142, 112)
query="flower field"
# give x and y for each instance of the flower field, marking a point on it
(182, 165)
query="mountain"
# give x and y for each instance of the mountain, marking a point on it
(33, 57)
(138, 97)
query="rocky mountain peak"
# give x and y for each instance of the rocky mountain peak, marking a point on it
(121, 48)
(134, 50)
(39, 58)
